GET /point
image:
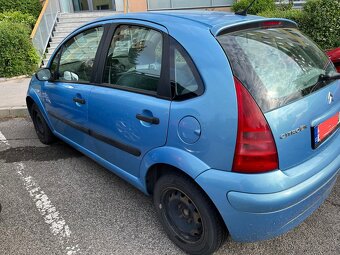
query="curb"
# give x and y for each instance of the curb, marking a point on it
(14, 78)
(14, 112)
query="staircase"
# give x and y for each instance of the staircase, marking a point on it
(68, 22)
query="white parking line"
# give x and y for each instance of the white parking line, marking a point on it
(51, 215)
(3, 139)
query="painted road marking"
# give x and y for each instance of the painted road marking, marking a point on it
(3, 139)
(51, 215)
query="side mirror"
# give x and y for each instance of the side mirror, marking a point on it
(44, 74)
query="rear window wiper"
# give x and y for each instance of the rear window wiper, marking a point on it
(326, 77)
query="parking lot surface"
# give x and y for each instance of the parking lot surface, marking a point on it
(57, 201)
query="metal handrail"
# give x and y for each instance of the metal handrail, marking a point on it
(44, 26)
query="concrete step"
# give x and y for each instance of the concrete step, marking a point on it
(59, 34)
(88, 14)
(69, 25)
(55, 42)
(47, 58)
(54, 45)
(50, 50)
(76, 20)
(64, 30)
(58, 39)
(48, 55)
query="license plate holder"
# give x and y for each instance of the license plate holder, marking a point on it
(325, 129)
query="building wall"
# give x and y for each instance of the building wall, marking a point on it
(137, 5)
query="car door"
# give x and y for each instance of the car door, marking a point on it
(66, 96)
(129, 110)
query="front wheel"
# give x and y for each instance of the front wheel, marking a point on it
(187, 215)
(42, 129)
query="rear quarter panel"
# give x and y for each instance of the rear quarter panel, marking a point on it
(216, 109)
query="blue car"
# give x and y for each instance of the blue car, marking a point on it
(231, 122)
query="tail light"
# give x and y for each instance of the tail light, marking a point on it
(255, 146)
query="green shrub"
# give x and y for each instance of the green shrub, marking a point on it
(259, 6)
(32, 7)
(17, 55)
(292, 14)
(322, 19)
(18, 17)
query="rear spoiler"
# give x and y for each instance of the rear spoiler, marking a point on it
(260, 23)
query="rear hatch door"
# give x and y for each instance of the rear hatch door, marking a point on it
(281, 68)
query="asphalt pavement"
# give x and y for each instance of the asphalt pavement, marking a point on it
(57, 201)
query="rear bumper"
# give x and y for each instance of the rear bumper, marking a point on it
(262, 206)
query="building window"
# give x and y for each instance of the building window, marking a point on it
(180, 4)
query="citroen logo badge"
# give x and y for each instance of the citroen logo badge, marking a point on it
(330, 98)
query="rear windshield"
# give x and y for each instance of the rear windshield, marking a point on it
(277, 65)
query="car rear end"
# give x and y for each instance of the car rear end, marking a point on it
(287, 153)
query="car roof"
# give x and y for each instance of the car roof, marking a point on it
(213, 20)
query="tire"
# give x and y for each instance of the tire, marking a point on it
(43, 131)
(188, 216)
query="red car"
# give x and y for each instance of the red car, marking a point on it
(334, 56)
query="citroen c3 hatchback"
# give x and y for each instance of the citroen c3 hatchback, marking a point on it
(231, 122)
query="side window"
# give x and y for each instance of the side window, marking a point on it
(134, 58)
(185, 79)
(77, 57)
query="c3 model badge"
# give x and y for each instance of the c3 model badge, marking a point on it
(293, 132)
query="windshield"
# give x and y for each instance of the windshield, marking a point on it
(276, 65)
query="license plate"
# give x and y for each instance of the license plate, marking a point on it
(325, 129)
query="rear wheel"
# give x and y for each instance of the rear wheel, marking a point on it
(187, 215)
(43, 131)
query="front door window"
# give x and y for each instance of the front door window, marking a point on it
(77, 58)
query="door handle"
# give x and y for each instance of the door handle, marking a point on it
(152, 120)
(79, 100)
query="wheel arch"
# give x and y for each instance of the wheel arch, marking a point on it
(169, 158)
(33, 98)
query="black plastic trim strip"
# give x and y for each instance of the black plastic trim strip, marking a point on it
(97, 59)
(69, 123)
(104, 52)
(164, 86)
(122, 146)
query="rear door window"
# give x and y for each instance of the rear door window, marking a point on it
(277, 65)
